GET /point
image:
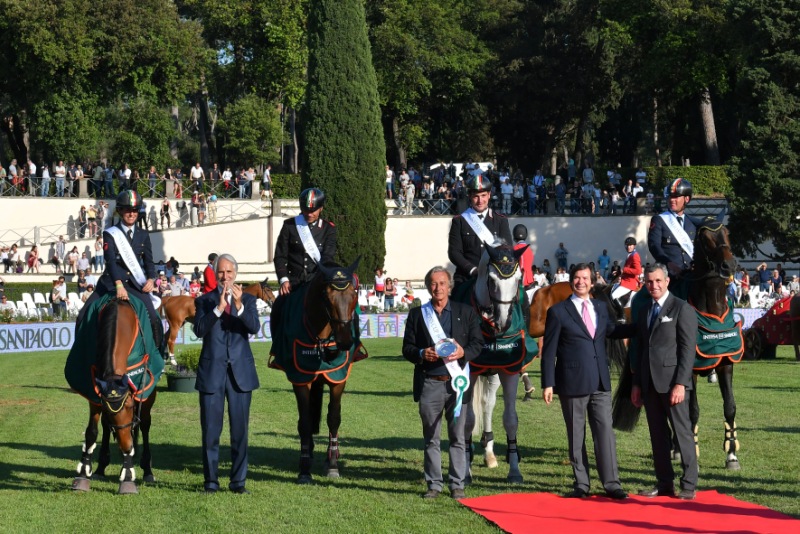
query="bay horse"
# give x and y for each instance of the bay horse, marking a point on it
(496, 297)
(705, 288)
(316, 346)
(178, 310)
(708, 282)
(121, 407)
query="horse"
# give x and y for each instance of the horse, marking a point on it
(318, 349)
(714, 266)
(180, 309)
(124, 406)
(496, 297)
(705, 288)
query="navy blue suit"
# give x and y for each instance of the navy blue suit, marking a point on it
(227, 371)
(575, 365)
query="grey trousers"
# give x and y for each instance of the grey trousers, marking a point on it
(598, 408)
(437, 398)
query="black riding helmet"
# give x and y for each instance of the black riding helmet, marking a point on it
(479, 183)
(520, 232)
(312, 199)
(129, 199)
(678, 187)
(630, 241)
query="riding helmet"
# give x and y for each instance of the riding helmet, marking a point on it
(679, 187)
(312, 199)
(479, 183)
(630, 241)
(129, 199)
(520, 232)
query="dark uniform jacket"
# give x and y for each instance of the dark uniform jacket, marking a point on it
(464, 246)
(291, 260)
(115, 266)
(663, 245)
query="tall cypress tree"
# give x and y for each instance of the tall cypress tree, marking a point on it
(344, 147)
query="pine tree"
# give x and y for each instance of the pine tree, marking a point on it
(344, 147)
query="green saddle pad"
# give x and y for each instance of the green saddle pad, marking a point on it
(145, 363)
(302, 358)
(718, 338)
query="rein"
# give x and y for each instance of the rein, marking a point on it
(322, 343)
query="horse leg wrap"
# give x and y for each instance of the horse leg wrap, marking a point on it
(512, 449)
(85, 465)
(333, 448)
(128, 472)
(486, 438)
(695, 431)
(305, 461)
(731, 442)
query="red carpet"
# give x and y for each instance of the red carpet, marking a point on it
(709, 512)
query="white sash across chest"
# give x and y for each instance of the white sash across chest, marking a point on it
(480, 229)
(129, 258)
(307, 239)
(679, 232)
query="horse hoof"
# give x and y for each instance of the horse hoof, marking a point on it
(101, 477)
(81, 484)
(149, 479)
(733, 465)
(332, 473)
(304, 479)
(527, 397)
(490, 460)
(126, 487)
(514, 479)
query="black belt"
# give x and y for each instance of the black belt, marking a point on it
(440, 378)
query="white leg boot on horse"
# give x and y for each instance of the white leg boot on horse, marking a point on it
(511, 423)
(529, 387)
(731, 446)
(332, 460)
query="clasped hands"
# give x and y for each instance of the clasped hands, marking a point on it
(235, 291)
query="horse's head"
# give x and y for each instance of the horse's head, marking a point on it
(266, 292)
(497, 288)
(340, 296)
(712, 249)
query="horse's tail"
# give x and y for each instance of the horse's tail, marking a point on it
(478, 394)
(315, 405)
(624, 414)
(617, 354)
(106, 337)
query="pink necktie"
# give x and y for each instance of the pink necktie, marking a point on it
(587, 320)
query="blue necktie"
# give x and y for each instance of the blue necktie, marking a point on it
(654, 314)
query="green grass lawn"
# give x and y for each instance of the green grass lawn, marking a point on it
(41, 431)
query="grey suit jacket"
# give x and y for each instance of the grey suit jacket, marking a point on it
(666, 354)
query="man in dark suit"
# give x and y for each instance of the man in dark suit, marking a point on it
(465, 244)
(225, 318)
(433, 381)
(662, 375)
(119, 277)
(575, 367)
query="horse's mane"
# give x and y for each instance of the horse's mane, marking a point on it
(106, 338)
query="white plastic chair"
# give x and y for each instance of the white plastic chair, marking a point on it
(39, 299)
(28, 298)
(73, 297)
(22, 308)
(33, 310)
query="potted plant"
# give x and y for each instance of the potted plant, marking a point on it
(181, 377)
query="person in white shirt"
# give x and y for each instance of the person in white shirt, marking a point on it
(226, 178)
(389, 183)
(507, 190)
(32, 176)
(45, 188)
(266, 183)
(61, 174)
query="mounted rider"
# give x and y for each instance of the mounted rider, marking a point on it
(474, 228)
(670, 239)
(628, 282)
(304, 241)
(129, 263)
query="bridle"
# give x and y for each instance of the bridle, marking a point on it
(713, 269)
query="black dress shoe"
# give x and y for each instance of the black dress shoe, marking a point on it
(618, 494)
(577, 493)
(241, 490)
(431, 494)
(458, 493)
(657, 492)
(687, 494)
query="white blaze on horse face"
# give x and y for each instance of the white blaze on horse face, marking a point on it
(502, 293)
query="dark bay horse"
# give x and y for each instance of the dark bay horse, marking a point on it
(121, 407)
(178, 310)
(714, 266)
(317, 347)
